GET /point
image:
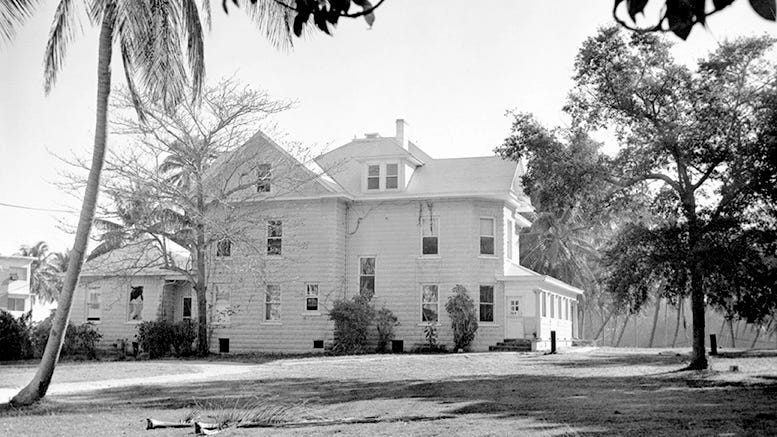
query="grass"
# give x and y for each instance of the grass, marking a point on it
(599, 392)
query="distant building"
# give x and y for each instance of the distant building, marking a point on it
(376, 216)
(15, 280)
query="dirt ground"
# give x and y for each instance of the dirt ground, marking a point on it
(586, 392)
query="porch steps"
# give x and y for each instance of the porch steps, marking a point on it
(512, 345)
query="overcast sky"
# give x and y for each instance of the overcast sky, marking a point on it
(450, 68)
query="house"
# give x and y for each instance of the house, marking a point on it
(376, 216)
(15, 280)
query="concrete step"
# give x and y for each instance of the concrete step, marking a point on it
(504, 348)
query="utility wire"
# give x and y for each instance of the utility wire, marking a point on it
(31, 208)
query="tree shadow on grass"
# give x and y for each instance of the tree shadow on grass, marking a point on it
(614, 405)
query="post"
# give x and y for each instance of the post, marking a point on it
(553, 342)
(713, 344)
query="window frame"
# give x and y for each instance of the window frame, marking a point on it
(424, 303)
(309, 295)
(436, 236)
(387, 175)
(278, 238)
(264, 178)
(130, 305)
(373, 177)
(481, 303)
(269, 303)
(374, 274)
(492, 237)
(16, 299)
(90, 290)
(183, 308)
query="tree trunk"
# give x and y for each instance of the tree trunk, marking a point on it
(677, 325)
(203, 345)
(604, 323)
(39, 384)
(699, 353)
(757, 334)
(655, 322)
(614, 331)
(623, 329)
(733, 336)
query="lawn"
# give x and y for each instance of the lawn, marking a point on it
(588, 392)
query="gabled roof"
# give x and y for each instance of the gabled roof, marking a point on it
(143, 258)
(487, 174)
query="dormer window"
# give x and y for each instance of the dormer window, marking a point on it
(392, 176)
(373, 177)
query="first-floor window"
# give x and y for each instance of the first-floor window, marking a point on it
(93, 304)
(311, 297)
(16, 304)
(486, 303)
(187, 308)
(135, 304)
(272, 302)
(367, 277)
(429, 303)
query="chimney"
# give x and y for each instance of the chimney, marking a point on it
(402, 132)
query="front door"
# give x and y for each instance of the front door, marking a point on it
(514, 317)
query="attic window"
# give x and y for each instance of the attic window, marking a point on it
(392, 176)
(373, 177)
(263, 178)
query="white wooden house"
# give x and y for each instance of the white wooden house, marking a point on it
(377, 214)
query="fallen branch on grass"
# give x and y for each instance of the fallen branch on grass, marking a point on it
(211, 428)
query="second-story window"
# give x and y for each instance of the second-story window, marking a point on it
(373, 177)
(311, 297)
(367, 277)
(486, 236)
(274, 237)
(264, 173)
(224, 248)
(430, 228)
(392, 176)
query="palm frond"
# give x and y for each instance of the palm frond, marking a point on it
(13, 13)
(195, 45)
(60, 35)
(274, 20)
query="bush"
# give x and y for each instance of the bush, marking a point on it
(464, 320)
(14, 337)
(352, 319)
(80, 340)
(159, 337)
(385, 321)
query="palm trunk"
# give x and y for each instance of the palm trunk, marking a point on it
(623, 330)
(39, 384)
(655, 322)
(677, 325)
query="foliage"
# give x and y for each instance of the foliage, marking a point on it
(464, 319)
(46, 270)
(432, 345)
(160, 337)
(352, 319)
(14, 337)
(80, 340)
(385, 321)
(679, 16)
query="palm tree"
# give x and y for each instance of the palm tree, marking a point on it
(43, 283)
(150, 36)
(13, 13)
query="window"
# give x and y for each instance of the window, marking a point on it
(221, 306)
(367, 277)
(552, 307)
(373, 177)
(486, 303)
(486, 236)
(559, 307)
(274, 235)
(509, 239)
(544, 299)
(93, 304)
(311, 297)
(392, 176)
(272, 302)
(16, 303)
(17, 273)
(224, 248)
(430, 228)
(263, 178)
(429, 303)
(135, 304)
(187, 308)
(515, 306)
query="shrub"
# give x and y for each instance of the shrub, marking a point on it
(159, 337)
(14, 337)
(80, 340)
(464, 320)
(352, 319)
(385, 321)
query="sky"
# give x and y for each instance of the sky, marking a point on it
(450, 69)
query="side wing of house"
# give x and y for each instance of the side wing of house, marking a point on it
(15, 280)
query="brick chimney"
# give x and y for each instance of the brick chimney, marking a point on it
(402, 132)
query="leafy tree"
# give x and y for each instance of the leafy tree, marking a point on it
(464, 319)
(694, 138)
(679, 16)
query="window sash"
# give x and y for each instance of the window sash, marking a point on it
(93, 306)
(274, 237)
(392, 176)
(487, 236)
(272, 302)
(311, 297)
(373, 177)
(135, 306)
(430, 303)
(486, 305)
(186, 312)
(430, 236)
(16, 304)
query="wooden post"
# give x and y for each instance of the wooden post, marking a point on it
(713, 344)
(553, 342)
